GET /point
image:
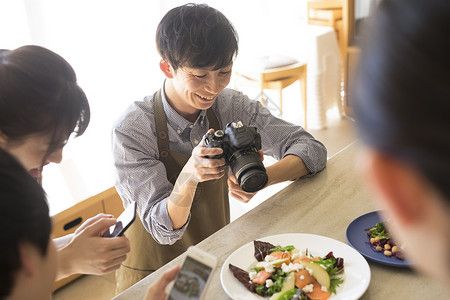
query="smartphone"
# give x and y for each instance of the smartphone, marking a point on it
(123, 222)
(194, 275)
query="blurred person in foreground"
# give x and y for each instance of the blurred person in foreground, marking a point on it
(402, 107)
(28, 256)
(41, 106)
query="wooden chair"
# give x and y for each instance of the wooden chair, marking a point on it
(278, 79)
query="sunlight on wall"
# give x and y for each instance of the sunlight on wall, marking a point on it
(14, 29)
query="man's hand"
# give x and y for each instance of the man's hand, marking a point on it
(197, 169)
(204, 168)
(89, 253)
(157, 291)
(235, 189)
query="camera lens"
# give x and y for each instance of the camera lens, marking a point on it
(253, 180)
(249, 170)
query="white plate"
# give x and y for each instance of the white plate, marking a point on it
(356, 269)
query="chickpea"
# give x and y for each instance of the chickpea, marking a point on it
(378, 248)
(376, 239)
(387, 253)
(387, 247)
(395, 249)
(372, 241)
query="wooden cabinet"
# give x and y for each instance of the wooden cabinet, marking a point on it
(69, 220)
(112, 203)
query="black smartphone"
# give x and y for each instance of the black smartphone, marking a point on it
(123, 222)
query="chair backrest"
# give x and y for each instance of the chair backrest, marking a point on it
(282, 72)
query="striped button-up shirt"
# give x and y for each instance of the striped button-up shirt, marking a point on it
(141, 176)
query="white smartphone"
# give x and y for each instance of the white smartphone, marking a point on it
(194, 275)
(123, 222)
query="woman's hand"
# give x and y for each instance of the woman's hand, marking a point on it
(89, 253)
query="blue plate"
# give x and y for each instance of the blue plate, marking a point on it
(358, 239)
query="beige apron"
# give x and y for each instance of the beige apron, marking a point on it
(210, 211)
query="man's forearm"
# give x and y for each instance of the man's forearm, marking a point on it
(288, 168)
(180, 200)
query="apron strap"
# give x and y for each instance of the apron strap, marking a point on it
(161, 126)
(212, 119)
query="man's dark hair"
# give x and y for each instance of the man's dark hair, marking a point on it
(196, 36)
(39, 94)
(24, 218)
(402, 91)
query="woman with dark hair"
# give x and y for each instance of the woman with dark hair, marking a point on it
(41, 105)
(403, 113)
(39, 98)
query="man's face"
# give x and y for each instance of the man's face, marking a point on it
(197, 89)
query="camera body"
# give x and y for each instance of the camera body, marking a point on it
(240, 145)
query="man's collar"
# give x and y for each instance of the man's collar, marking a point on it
(174, 119)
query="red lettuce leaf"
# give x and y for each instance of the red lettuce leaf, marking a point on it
(262, 249)
(243, 278)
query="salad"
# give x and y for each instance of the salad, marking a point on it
(381, 241)
(285, 273)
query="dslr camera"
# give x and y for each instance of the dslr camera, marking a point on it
(240, 145)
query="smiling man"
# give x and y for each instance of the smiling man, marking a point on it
(161, 163)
